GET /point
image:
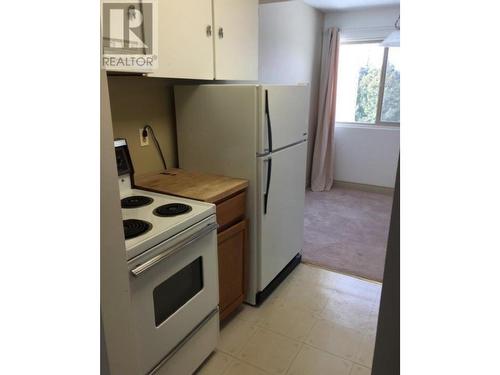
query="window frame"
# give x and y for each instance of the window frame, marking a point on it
(380, 97)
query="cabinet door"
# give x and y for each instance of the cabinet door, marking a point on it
(231, 251)
(236, 36)
(185, 39)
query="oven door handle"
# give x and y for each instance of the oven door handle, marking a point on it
(174, 249)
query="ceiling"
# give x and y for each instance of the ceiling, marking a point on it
(329, 5)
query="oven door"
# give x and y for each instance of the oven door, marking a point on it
(174, 287)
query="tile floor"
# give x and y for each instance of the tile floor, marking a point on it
(316, 323)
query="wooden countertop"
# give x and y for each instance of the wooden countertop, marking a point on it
(194, 185)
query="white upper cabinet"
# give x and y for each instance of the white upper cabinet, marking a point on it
(208, 39)
(193, 39)
(185, 39)
(236, 33)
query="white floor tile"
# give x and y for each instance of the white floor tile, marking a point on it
(234, 335)
(216, 364)
(360, 370)
(270, 351)
(311, 361)
(350, 311)
(239, 368)
(291, 321)
(254, 314)
(305, 296)
(335, 339)
(358, 287)
(314, 275)
(249, 313)
(365, 351)
(334, 315)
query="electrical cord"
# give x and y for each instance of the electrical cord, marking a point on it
(145, 131)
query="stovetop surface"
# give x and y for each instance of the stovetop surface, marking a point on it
(163, 227)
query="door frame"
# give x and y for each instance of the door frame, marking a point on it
(386, 359)
(118, 353)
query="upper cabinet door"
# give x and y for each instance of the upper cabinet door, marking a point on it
(185, 39)
(236, 33)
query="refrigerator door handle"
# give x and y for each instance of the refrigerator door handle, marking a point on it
(269, 127)
(268, 184)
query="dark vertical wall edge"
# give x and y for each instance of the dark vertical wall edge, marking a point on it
(386, 359)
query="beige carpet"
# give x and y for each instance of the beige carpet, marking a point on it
(346, 230)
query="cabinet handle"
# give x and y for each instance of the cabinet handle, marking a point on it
(221, 32)
(209, 30)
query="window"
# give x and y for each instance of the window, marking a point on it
(368, 84)
(390, 99)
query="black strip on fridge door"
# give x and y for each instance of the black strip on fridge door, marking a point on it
(269, 128)
(266, 196)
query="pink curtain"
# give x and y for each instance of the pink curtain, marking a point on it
(323, 153)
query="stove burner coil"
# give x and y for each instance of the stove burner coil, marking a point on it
(133, 228)
(172, 209)
(136, 201)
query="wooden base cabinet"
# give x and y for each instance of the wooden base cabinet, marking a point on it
(232, 251)
(232, 246)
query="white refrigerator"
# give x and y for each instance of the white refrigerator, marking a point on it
(256, 132)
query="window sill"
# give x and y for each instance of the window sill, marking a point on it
(360, 125)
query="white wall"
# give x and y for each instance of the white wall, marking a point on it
(290, 42)
(363, 18)
(365, 154)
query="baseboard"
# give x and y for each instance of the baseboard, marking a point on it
(364, 187)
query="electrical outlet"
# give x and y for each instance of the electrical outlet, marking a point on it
(144, 140)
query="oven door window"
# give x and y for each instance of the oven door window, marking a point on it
(177, 290)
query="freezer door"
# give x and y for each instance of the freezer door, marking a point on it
(280, 209)
(283, 116)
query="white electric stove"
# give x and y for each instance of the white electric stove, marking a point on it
(171, 250)
(159, 225)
